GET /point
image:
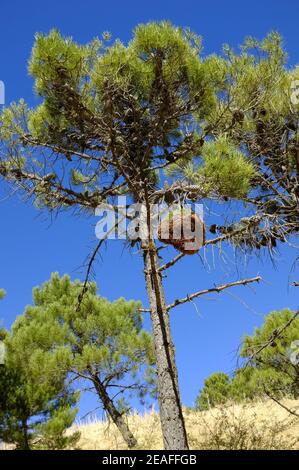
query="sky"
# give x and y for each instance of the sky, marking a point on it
(207, 334)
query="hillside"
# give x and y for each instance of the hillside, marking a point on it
(263, 425)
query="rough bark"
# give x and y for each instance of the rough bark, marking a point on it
(114, 414)
(171, 416)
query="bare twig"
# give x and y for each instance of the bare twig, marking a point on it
(91, 261)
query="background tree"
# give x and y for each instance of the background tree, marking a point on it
(216, 391)
(2, 335)
(100, 342)
(270, 366)
(268, 352)
(36, 407)
(155, 112)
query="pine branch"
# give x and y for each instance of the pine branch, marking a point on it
(55, 190)
(251, 221)
(190, 297)
(274, 336)
(178, 188)
(62, 150)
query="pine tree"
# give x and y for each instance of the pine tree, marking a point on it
(216, 391)
(272, 352)
(99, 342)
(155, 112)
(2, 335)
(36, 409)
(270, 365)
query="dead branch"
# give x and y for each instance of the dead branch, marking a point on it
(190, 297)
(289, 410)
(172, 262)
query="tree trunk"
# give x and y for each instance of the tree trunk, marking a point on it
(114, 414)
(25, 442)
(171, 415)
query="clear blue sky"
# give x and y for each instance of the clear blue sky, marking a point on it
(32, 246)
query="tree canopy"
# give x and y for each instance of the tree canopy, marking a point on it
(37, 406)
(267, 370)
(156, 121)
(94, 340)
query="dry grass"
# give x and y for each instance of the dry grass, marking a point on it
(263, 425)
